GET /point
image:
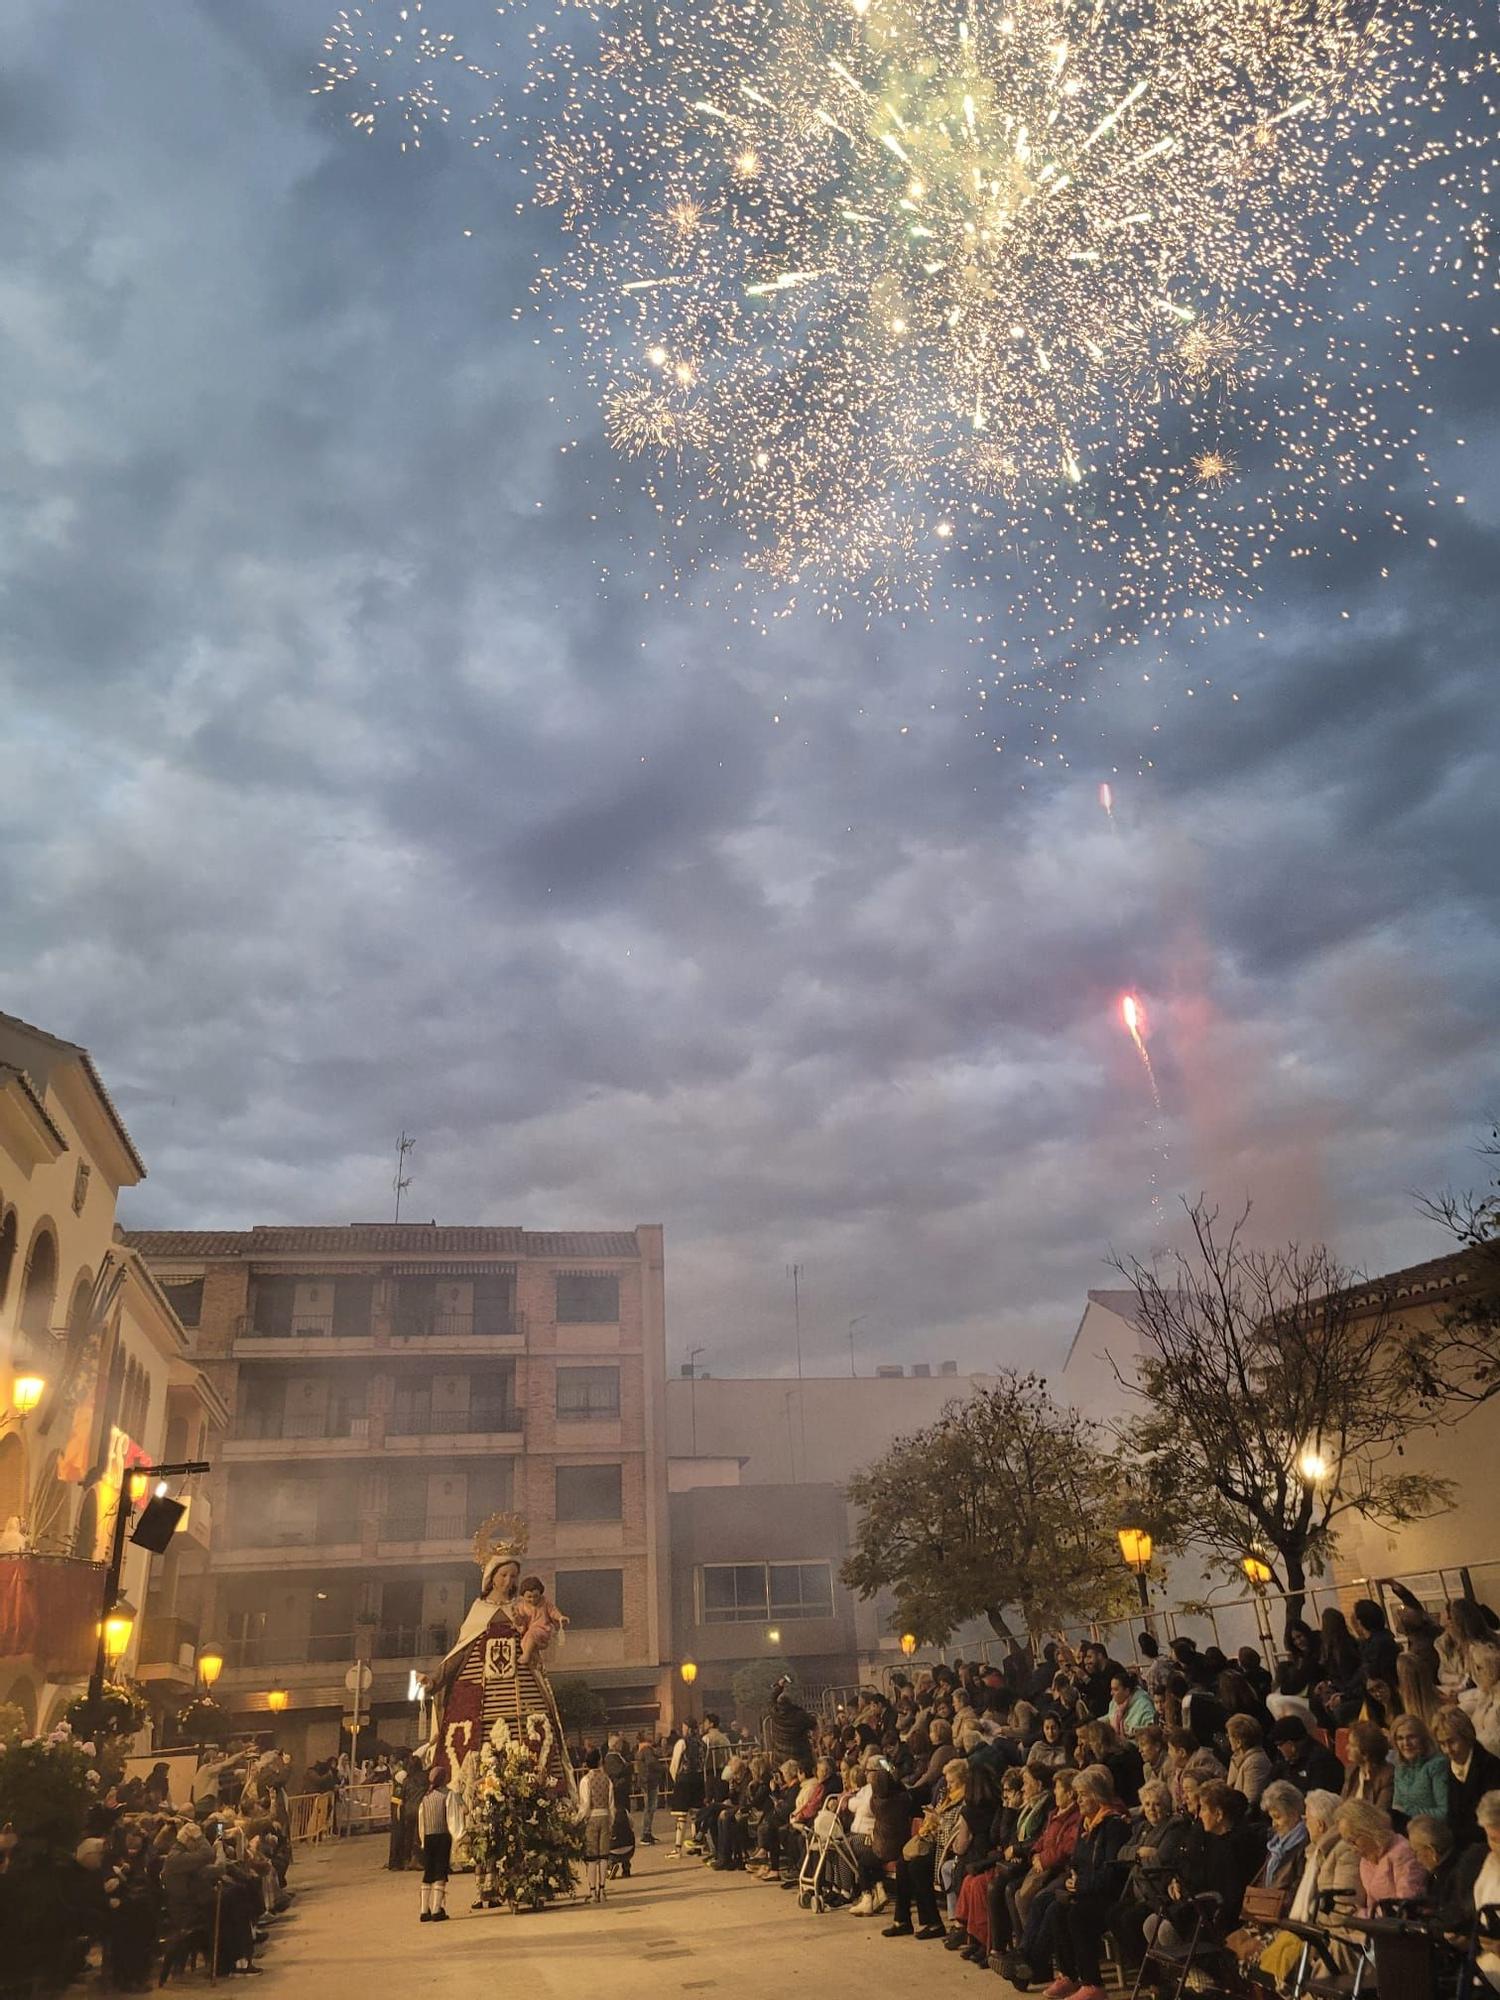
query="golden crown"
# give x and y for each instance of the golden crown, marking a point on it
(501, 1536)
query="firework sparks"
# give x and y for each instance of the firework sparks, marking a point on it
(391, 65)
(1025, 282)
(1133, 1014)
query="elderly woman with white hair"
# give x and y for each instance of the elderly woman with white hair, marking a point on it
(1388, 1869)
(1330, 1869)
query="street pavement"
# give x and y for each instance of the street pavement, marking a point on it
(674, 1927)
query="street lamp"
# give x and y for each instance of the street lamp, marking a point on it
(1136, 1546)
(277, 1700)
(25, 1393)
(773, 1635)
(137, 1484)
(1257, 1570)
(116, 1631)
(1313, 1465)
(908, 1643)
(689, 1672)
(210, 1664)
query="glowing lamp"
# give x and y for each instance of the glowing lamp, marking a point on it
(1313, 1465)
(117, 1628)
(25, 1393)
(136, 1485)
(210, 1664)
(277, 1700)
(1256, 1570)
(908, 1643)
(1136, 1546)
(689, 1672)
(773, 1634)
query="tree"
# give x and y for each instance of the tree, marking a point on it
(1005, 1509)
(1453, 1365)
(751, 1688)
(1275, 1404)
(578, 1705)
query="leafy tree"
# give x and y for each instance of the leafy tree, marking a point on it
(578, 1705)
(1274, 1400)
(1005, 1509)
(1453, 1365)
(751, 1688)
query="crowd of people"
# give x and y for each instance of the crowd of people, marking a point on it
(158, 1886)
(1042, 1818)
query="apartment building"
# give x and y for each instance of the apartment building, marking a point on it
(391, 1385)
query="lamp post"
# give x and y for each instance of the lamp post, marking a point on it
(1136, 1546)
(689, 1672)
(115, 1631)
(26, 1392)
(210, 1664)
(908, 1643)
(134, 1486)
(1259, 1573)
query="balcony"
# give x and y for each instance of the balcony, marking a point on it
(313, 1664)
(168, 1649)
(479, 1418)
(486, 1327)
(259, 1544)
(49, 1613)
(422, 1530)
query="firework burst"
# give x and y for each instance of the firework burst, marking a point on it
(995, 293)
(387, 64)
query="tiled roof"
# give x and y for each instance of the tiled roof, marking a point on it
(83, 1056)
(422, 1239)
(10, 1074)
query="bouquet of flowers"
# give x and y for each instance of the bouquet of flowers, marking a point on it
(522, 1838)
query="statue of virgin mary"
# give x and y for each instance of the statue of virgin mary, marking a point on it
(490, 1690)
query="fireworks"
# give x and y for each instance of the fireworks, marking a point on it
(1004, 293)
(391, 65)
(1133, 1014)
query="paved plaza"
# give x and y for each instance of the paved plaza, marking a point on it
(674, 1927)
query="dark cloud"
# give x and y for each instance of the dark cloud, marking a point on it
(360, 775)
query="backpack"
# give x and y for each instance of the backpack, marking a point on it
(692, 1755)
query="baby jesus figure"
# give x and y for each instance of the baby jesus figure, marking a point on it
(539, 1617)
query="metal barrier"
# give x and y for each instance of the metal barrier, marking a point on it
(311, 1815)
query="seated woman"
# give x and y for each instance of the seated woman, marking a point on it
(970, 1932)
(1051, 1858)
(1071, 1935)
(811, 1793)
(1152, 1744)
(1420, 1784)
(1153, 1856)
(1055, 1747)
(1476, 1886)
(1217, 1868)
(1472, 1771)
(1369, 1776)
(1329, 1882)
(1037, 1783)
(1481, 1703)
(1433, 1844)
(784, 1788)
(1282, 1869)
(1101, 1744)
(1388, 1869)
(924, 1854)
(1249, 1766)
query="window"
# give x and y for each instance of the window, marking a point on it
(586, 1394)
(186, 1300)
(588, 1493)
(733, 1593)
(588, 1298)
(747, 1593)
(594, 1599)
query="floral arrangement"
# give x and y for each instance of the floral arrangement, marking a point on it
(122, 1710)
(521, 1836)
(203, 1720)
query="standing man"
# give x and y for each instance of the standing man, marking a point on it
(648, 1777)
(791, 1728)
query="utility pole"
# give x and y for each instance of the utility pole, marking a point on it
(852, 1325)
(693, 1353)
(795, 1271)
(402, 1181)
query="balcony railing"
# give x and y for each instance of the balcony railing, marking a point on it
(424, 1528)
(485, 1323)
(259, 1425)
(451, 1423)
(167, 1641)
(305, 1326)
(386, 1642)
(248, 1533)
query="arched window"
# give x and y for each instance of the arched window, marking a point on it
(7, 1248)
(78, 1305)
(39, 1284)
(114, 1390)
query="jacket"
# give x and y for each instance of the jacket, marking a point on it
(1483, 1776)
(1397, 1873)
(1057, 1839)
(1155, 1857)
(1378, 1787)
(1250, 1773)
(892, 1816)
(1421, 1788)
(1139, 1710)
(1097, 1870)
(188, 1875)
(1314, 1768)
(1223, 1864)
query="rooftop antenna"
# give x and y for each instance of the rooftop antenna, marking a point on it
(402, 1181)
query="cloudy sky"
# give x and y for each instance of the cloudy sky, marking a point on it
(340, 795)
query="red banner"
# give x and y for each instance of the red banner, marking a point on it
(49, 1612)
